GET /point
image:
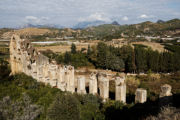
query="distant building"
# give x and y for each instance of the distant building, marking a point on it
(68, 37)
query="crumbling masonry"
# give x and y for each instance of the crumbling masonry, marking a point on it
(120, 89)
(24, 58)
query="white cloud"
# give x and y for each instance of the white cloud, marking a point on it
(32, 19)
(125, 18)
(143, 16)
(68, 12)
(35, 20)
(94, 17)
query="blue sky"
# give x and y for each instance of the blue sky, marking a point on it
(67, 13)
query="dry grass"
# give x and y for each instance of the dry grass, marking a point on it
(132, 83)
(153, 45)
(28, 32)
(65, 47)
(166, 113)
(60, 48)
(32, 31)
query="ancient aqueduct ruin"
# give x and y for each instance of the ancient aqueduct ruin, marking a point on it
(24, 58)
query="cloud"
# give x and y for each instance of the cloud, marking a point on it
(95, 17)
(144, 16)
(32, 19)
(35, 20)
(69, 12)
(125, 18)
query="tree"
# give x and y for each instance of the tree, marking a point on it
(64, 107)
(73, 48)
(20, 109)
(153, 60)
(67, 58)
(114, 63)
(88, 51)
(141, 59)
(102, 50)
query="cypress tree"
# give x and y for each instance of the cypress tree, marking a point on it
(73, 48)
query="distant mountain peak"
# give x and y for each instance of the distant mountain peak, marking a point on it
(28, 25)
(115, 23)
(160, 21)
(86, 24)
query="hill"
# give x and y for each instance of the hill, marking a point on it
(168, 28)
(27, 32)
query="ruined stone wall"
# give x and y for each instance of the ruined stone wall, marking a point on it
(24, 58)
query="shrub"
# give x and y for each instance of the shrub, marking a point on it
(64, 107)
(166, 113)
(89, 107)
(20, 109)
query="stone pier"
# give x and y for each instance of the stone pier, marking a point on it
(53, 75)
(61, 84)
(103, 86)
(120, 89)
(69, 76)
(140, 95)
(93, 88)
(165, 96)
(81, 85)
(165, 90)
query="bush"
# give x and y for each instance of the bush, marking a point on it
(20, 109)
(166, 113)
(89, 107)
(64, 107)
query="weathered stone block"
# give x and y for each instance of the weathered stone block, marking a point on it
(81, 85)
(120, 90)
(93, 88)
(165, 95)
(165, 90)
(69, 78)
(104, 86)
(140, 95)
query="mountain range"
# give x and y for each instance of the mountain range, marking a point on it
(41, 26)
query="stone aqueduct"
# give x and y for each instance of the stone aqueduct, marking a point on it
(24, 58)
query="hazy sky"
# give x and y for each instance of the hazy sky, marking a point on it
(14, 13)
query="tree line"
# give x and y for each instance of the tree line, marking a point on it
(134, 60)
(139, 59)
